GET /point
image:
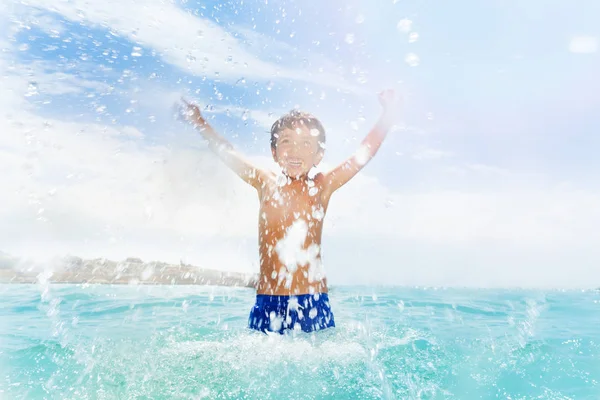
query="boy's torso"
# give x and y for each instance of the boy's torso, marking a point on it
(290, 228)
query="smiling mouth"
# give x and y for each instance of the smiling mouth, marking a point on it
(295, 163)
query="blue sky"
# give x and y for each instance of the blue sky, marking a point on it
(495, 157)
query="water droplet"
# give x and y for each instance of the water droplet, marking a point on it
(349, 38)
(362, 155)
(281, 180)
(245, 115)
(147, 273)
(430, 116)
(136, 52)
(32, 89)
(24, 47)
(413, 37)
(318, 213)
(412, 59)
(229, 58)
(401, 305)
(389, 203)
(359, 19)
(190, 58)
(404, 25)
(313, 191)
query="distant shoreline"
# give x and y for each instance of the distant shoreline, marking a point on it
(132, 271)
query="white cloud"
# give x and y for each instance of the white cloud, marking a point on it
(265, 45)
(488, 169)
(583, 44)
(42, 77)
(73, 182)
(263, 119)
(192, 43)
(47, 23)
(318, 68)
(535, 218)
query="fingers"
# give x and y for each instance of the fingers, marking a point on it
(387, 95)
(188, 110)
(188, 103)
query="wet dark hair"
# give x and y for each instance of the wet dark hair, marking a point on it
(292, 120)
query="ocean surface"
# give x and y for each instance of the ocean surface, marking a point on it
(185, 342)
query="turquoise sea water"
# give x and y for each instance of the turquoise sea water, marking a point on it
(175, 342)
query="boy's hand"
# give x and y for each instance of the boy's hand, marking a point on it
(390, 104)
(387, 98)
(191, 112)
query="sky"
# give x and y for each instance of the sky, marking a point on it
(488, 180)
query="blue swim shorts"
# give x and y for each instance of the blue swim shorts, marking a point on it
(306, 312)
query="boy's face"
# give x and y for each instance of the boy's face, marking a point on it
(297, 150)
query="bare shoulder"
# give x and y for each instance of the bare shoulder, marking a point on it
(265, 181)
(266, 175)
(322, 182)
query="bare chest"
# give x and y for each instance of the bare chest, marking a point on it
(281, 206)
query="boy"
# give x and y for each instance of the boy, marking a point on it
(292, 289)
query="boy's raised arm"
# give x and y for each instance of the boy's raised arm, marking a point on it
(340, 175)
(223, 149)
